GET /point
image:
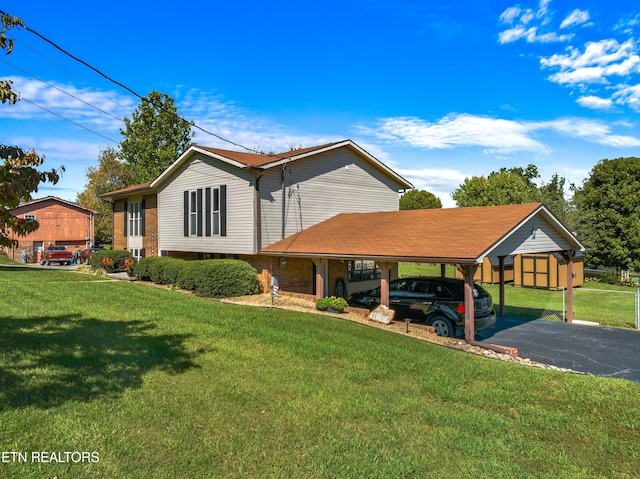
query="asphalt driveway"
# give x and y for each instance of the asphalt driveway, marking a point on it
(601, 351)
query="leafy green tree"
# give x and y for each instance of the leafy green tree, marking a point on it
(111, 174)
(503, 187)
(610, 213)
(154, 137)
(419, 200)
(19, 173)
(516, 186)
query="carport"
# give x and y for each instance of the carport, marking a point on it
(459, 236)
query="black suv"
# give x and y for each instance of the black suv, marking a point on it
(438, 302)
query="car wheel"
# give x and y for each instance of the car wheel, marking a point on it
(443, 326)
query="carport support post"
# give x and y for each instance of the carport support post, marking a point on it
(385, 268)
(468, 271)
(568, 256)
(501, 273)
(321, 272)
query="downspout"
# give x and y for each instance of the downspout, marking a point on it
(257, 213)
(283, 198)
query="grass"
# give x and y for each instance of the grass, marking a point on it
(609, 305)
(164, 385)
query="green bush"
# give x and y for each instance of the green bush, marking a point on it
(331, 302)
(218, 278)
(117, 256)
(142, 269)
(166, 270)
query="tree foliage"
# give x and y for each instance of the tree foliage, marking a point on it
(610, 213)
(510, 186)
(419, 200)
(19, 174)
(154, 137)
(111, 174)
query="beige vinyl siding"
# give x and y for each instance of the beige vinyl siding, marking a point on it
(204, 173)
(317, 188)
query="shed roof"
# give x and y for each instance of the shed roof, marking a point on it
(455, 235)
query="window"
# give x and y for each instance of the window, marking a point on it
(30, 217)
(193, 213)
(135, 218)
(215, 211)
(363, 270)
(137, 253)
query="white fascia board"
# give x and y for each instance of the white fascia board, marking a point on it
(372, 159)
(550, 217)
(192, 150)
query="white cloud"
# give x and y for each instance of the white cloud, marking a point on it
(599, 61)
(577, 17)
(493, 135)
(532, 25)
(453, 131)
(595, 102)
(628, 95)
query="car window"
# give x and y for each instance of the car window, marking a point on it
(418, 287)
(440, 291)
(398, 285)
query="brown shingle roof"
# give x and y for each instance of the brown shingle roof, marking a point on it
(128, 189)
(462, 234)
(254, 159)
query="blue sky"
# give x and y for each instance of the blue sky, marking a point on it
(438, 90)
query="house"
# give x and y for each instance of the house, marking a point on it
(215, 203)
(61, 223)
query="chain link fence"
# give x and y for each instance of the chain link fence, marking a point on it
(606, 307)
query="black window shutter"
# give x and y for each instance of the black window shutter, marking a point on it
(142, 215)
(199, 212)
(223, 210)
(126, 217)
(207, 212)
(142, 252)
(186, 213)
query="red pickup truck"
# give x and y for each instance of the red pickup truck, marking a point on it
(56, 254)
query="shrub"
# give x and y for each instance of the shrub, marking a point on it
(218, 278)
(166, 270)
(142, 269)
(117, 257)
(331, 302)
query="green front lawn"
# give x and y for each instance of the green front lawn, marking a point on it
(163, 385)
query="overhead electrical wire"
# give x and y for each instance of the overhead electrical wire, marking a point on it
(130, 90)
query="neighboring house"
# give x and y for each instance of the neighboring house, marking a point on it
(61, 223)
(541, 271)
(215, 203)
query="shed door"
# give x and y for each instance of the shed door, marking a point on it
(535, 271)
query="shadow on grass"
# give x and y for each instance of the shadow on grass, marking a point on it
(50, 361)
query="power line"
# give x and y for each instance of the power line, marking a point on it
(130, 90)
(70, 121)
(26, 45)
(61, 90)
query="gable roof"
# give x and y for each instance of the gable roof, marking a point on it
(262, 162)
(36, 202)
(128, 190)
(455, 235)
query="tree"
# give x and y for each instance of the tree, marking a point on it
(515, 186)
(419, 200)
(504, 187)
(111, 174)
(19, 174)
(154, 137)
(610, 213)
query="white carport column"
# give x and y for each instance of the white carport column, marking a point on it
(321, 273)
(468, 271)
(385, 268)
